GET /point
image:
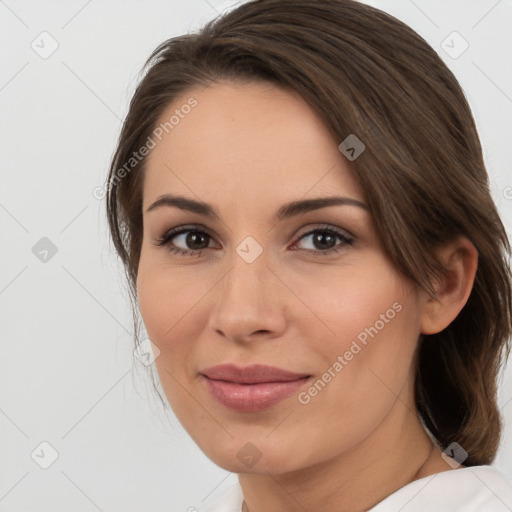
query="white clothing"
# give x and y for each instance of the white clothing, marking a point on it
(471, 489)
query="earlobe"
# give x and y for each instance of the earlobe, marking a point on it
(460, 259)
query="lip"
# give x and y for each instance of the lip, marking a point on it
(252, 388)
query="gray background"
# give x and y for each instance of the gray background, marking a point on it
(67, 372)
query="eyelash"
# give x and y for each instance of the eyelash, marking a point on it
(166, 238)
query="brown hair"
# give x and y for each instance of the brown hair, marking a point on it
(365, 73)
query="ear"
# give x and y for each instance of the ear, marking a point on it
(460, 258)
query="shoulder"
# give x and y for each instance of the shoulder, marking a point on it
(471, 489)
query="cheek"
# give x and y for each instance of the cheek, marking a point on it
(373, 321)
(360, 301)
(168, 305)
(154, 304)
(373, 354)
(167, 302)
(364, 368)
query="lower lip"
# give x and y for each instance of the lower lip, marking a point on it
(252, 397)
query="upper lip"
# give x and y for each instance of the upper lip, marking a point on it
(253, 374)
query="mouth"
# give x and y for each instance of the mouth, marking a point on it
(253, 388)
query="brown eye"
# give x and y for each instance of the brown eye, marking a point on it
(325, 240)
(196, 240)
(185, 241)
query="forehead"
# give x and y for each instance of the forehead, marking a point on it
(250, 139)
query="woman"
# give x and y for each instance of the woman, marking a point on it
(301, 204)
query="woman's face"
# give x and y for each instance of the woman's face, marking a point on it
(260, 275)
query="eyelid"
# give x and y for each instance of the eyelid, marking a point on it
(178, 230)
(327, 227)
(200, 227)
(345, 236)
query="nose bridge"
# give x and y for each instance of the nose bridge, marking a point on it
(247, 281)
(246, 300)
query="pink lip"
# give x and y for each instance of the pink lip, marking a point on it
(253, 388)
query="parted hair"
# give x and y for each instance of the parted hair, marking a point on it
(365, 73)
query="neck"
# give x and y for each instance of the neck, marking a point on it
(396, 453)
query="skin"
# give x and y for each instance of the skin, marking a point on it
(248, 148)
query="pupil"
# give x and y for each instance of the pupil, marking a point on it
(321, 238)
(193, 239)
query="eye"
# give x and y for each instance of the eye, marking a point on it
(324, 240)
(185, 241)
(191, 241)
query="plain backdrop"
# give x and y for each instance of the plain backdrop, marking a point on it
(68, 376)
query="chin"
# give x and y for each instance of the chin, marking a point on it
(258, 457)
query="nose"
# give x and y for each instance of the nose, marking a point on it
(250, 302)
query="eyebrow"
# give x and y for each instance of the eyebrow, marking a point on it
(286, 211)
